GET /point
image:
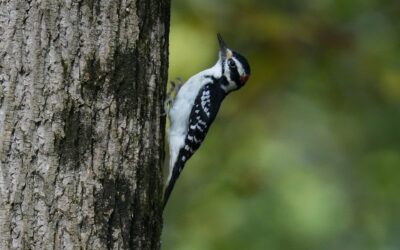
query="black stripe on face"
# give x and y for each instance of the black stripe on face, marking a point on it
(233, 71)
(234, 75)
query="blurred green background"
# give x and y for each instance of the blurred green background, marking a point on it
(307, 154)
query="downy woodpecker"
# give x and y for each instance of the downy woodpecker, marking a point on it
(196, 105)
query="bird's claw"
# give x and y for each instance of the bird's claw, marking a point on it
(171, 94)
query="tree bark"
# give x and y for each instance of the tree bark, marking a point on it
(82, 85)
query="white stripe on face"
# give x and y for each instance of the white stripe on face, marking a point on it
(239, 67)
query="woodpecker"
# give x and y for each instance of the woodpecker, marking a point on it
(196, 105)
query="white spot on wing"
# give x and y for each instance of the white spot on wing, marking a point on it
(201, 130)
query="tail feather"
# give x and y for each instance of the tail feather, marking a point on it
(168, 191)
(171, 183)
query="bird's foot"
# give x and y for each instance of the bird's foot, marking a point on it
(171, 94)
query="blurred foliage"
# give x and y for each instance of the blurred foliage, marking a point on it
(307, 154)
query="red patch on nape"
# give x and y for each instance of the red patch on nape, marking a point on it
(243, 79)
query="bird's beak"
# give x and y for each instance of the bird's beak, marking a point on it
(222, 47)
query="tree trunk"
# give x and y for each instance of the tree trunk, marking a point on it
(82, 85)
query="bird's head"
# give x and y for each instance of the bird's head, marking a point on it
(235, 67)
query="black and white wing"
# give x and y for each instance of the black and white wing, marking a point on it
(202, 115)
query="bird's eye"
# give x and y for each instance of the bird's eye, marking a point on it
(231, 64)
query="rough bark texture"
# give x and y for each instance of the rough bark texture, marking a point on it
(81, 131)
